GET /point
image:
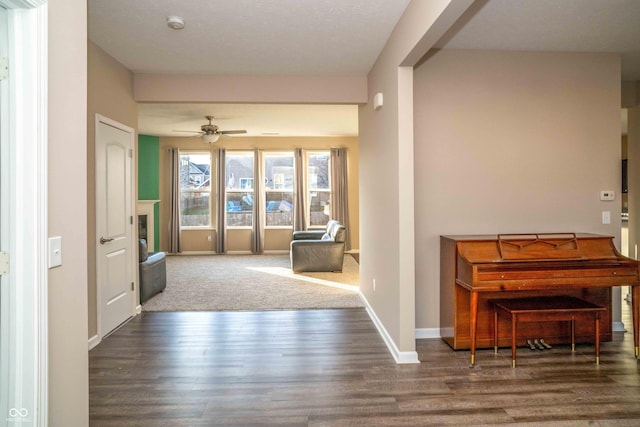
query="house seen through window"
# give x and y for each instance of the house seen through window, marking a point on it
(277, 173)
(278, 188)
(318, 188)
(195, 190)
(239, 189)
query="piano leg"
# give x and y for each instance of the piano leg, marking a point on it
(635, 305)
(473, 322)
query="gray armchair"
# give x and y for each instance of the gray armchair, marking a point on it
(152, 272)
(318, 250)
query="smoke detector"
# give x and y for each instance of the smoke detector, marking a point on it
(175, 22)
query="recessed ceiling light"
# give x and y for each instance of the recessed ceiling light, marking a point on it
(175, 22)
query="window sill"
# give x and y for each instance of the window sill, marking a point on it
(197, 228)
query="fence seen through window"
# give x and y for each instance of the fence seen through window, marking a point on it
(318, 188)
(278, 186)
(195, 190)
(239, 189)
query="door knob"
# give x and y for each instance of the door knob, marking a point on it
(103, 240)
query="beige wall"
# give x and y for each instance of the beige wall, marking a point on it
(68, 370)
(240, 240)
(240, 89)
(110, 94)
(386, 168)
(511, 142)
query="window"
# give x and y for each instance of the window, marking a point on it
(278, 189)
(239, 189)
(195, 190)
(318, 188)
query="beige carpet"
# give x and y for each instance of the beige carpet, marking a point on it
(252, 282)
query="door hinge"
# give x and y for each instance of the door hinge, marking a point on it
(132, 286)
(131, 220)
(4, 68)
(4, 263)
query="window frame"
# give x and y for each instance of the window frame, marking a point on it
(246, 153)
(265, 190)
(307, 186)
(210, 190)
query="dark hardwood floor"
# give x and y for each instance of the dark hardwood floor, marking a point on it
(331, 368)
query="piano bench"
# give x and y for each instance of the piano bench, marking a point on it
(545, 309)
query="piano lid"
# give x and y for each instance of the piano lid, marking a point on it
(535, 247)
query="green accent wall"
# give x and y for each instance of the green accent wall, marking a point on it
(149, 178)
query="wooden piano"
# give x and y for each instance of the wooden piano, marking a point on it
(475, 269)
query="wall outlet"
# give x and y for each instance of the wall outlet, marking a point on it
(209, 238)
(607, 195)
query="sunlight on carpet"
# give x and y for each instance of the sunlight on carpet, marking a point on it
(252, 282)
(286, 272)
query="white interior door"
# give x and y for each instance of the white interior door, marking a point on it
(114, 224)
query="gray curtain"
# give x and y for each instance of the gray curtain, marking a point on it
(299, 220)
(340, 190)
(257, 234)
(175, 244)
(221, 183)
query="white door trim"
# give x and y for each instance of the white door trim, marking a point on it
(134, 259)
(24, 229)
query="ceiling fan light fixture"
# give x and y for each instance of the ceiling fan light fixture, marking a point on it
(175, 22)
(210, 138)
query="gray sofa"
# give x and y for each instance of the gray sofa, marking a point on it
(317, 250)
(152, 270)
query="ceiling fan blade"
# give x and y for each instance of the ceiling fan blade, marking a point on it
(190, 131)
(232, 132)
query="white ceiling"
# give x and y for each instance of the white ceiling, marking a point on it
(328, 37)
(245, 37)
(553, 25)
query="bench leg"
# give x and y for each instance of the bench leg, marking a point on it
(597, 338)
(514, 335)
(495, 331)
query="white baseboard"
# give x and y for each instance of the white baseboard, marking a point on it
(401, 357)
(424, 333)
(94, 341)
(138, 309)
(618, 327)
(277, 252)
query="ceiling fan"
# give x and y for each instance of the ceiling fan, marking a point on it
(210, 132)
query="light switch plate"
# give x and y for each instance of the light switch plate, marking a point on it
(55, 251)
(606, 217)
